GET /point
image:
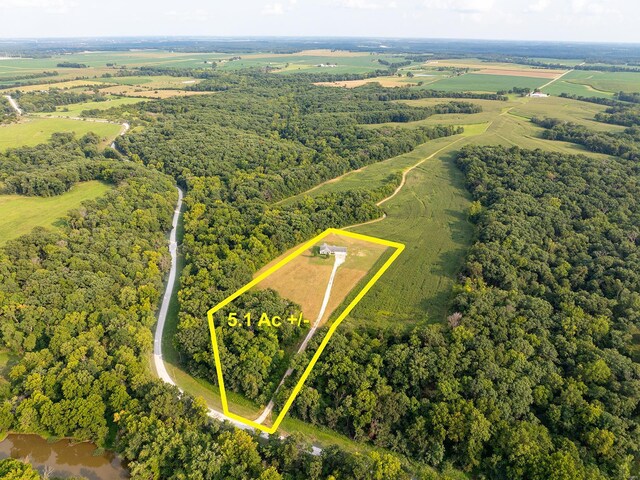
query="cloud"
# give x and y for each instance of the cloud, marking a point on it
(50, 6)
(461, 6)
(194, 15)
(539, 6)
(273, 9)
(365, 4)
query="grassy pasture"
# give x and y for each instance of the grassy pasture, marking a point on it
(160, 81)
(146, 92)
(304, 279)
(429, 212)
(20, 214)
(607, 82)
(474, 82)
(75, 109)
(33, 131)
(69, 85)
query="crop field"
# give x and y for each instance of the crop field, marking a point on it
(99, 60)
(564, 109)
(20, 214)
(476, 82)
(71, 84)
(160, 81)
(565, 86)
(75, 109)
(429, 214)
(389, 81)
(309, 62)
(605, 81)
(147, 92)
(33, 131)
(304, 279)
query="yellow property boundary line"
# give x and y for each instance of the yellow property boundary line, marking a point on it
(216, 353)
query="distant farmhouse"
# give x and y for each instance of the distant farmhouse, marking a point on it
(331, 249)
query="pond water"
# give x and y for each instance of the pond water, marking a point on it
(64, 457)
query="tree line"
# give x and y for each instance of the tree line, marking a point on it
(533, 376)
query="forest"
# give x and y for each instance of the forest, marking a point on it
(295, 137)
(624, 144)
(78, 306)
(533, 375)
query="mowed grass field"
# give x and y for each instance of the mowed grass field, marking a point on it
(20, 214)
(605, 81)
(33, 131)
(475, 82)
(304, 279)
(76, 109)
(429, 214)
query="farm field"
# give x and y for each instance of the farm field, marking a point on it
(565, 86)
(605, 81)
(565, 109)
(160, 81)
(76, 109)
(20, 214)
(307, 62)
(429, 213)
(71, 84)
(304, 279)
(98, 61)
(476, 82)
(33, 131)
(147, 92)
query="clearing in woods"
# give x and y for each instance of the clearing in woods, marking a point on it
(300, 279)
(20, 214)
(429, 214)
(32, 131)
(76, 109)
(327, 285)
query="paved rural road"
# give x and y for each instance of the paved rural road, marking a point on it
(339, 259)
(158, 361)
(14, 104)
(164, 308)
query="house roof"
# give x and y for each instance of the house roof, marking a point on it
(332, 248)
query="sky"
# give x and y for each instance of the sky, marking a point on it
(555, 20)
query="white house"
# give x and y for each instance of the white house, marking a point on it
(331, 249)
